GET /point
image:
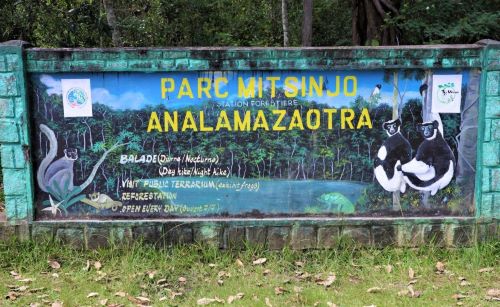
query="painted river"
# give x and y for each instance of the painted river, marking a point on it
(236, 196)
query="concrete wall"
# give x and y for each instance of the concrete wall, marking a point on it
(16, 61)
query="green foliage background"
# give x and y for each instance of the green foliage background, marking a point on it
(82, 23)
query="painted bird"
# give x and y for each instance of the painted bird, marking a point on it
(423, 88)
(376, 90)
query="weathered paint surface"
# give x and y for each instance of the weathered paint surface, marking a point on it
(487, 176)
(14, 135)
(15, 62)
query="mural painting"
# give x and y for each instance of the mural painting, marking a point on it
(254, 144)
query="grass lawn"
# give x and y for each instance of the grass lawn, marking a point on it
(49, 274)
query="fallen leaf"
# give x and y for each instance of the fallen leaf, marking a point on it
(182, 279)
(174, 294)
(163, 298)
(464, 283)
(120, 294)
(206, 301)
(103, 302)
(142, 299)
(439, 267)
(302, 275)
(222, 274)
(297, 289)
(413, 293)
(220, 282)
(266, 272)
(388, 268)
(36, 289)
(328, 281)
(354, 279)
(330, 304)
(212, 265)
(260, 261)
(55, 275)
(57, 304)
(34, 305)
(404, 293)
(279, 290)
(374, 290)
(92, 294)
(97, 265)
(493, 294)
(299, 263)
(483, 270)
(459, 296)
(268, 302)
(412, 282)
(26, 280)
(411, 273)
(21, 289)
(239, 263)
(12, 273)
(54, 264)
(12, 296)
(151, 274)
(232, 298)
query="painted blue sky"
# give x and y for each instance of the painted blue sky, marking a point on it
(134, 90)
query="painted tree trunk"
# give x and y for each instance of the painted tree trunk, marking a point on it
(396, 196)
(427, 116)
(466, 160)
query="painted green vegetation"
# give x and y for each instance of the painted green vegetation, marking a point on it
(315, 157)
(180, 276)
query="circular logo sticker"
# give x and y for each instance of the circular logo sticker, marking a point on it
(447, 93)
(77, 97)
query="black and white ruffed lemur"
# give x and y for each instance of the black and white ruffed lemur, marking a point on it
(394, 152)
(433, 166)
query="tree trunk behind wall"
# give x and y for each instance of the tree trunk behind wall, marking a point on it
(111, 18)
(284, 19)
(368, 22)
(307, 24)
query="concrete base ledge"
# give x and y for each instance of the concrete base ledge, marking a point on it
(274, 234)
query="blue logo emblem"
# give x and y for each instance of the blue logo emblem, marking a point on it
(76, 97)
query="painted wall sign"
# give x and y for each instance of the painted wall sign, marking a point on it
(248, 144)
